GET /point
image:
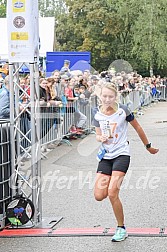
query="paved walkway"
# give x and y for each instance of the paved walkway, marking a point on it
(70, 193)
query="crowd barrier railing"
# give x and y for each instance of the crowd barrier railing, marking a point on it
(135, 100)
(57, 123)
(163, 90)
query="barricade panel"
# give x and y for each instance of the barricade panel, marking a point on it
(58, 123)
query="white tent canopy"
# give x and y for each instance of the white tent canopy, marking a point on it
(46, 33)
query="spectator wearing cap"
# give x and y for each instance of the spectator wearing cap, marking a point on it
(94, 80)
(94, 83)
(65, 69)
(64, 79)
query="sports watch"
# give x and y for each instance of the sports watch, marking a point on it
(148, 145)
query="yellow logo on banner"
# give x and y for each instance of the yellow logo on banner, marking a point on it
(19, 35)
(18, 6)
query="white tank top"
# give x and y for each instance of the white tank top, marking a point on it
(115, 126)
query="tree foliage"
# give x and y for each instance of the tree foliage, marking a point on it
(133, 30)
(116, 29)
(51, 8)
(2, 8)
(150, 40)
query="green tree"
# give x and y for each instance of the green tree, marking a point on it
(88, 26)
(51, 8)
(115, 29)
(150, 40)
(2, 8)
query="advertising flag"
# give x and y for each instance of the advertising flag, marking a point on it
(23, 30)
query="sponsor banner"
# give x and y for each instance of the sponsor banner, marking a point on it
(19, 35)
(18, 6)
(23, 31)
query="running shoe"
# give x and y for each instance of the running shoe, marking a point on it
(120, 235)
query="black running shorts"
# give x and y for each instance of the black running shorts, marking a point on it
(120, 163)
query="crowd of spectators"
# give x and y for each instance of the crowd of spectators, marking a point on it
(69, 92)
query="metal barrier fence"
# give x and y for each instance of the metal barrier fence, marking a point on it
(5, 169)
(59, 123)
(163, 90)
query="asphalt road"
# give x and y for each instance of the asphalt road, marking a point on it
(68, 192)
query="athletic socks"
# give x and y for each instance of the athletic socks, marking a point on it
(122, 227)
